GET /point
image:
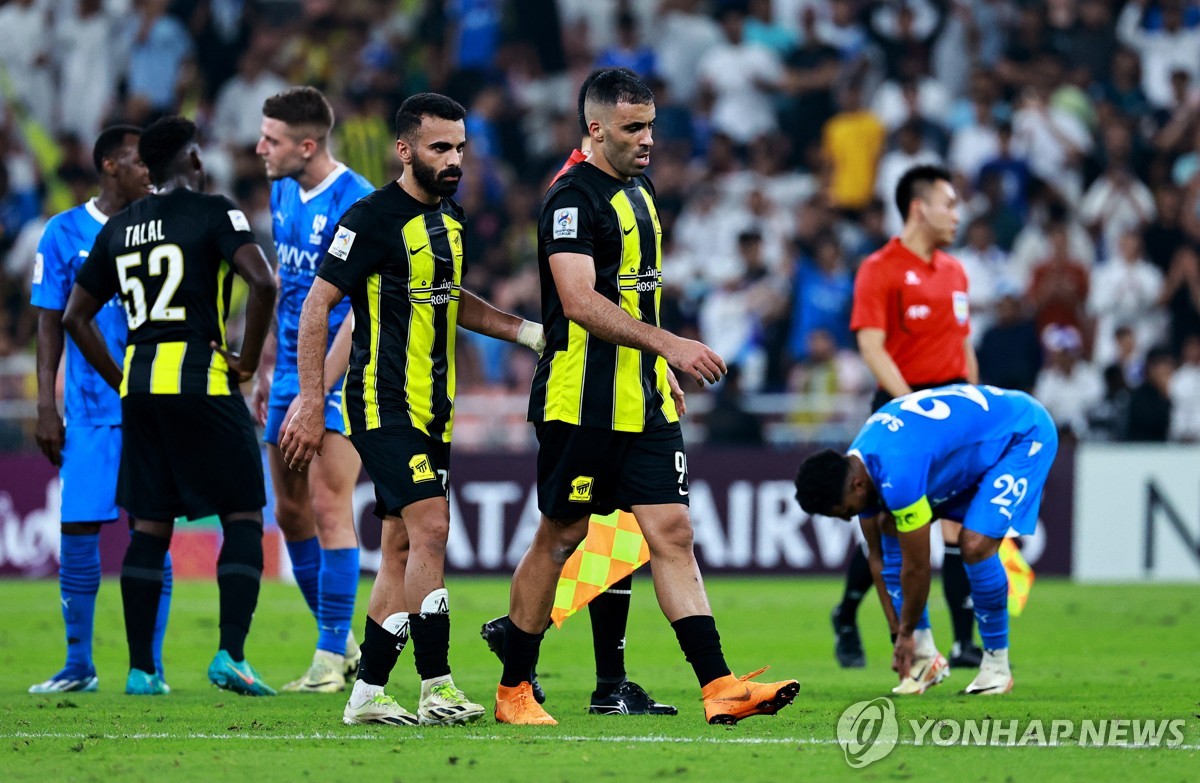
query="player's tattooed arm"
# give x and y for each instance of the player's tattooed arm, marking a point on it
(251, 263)
(305, 432)
(575, 279)
(50, 435)
(79, 321)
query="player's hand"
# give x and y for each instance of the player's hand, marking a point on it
(903, 654)
(50, 435)
(676, 392)
(261, 396)
(696, 360)
(237, 365)
(303, 432)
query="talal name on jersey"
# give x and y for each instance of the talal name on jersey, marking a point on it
(144, 233)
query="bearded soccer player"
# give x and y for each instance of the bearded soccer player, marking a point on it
(615, 693)
(911, 317)
(607, 427)
(189, 445)
(310, 191)
(398, 255)
(975, 453)
(88, 450)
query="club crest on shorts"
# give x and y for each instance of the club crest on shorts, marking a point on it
(421, 469)
(581, 489)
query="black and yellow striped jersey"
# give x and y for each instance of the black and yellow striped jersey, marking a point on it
(401, 263)
(167, 255)
(581, 379)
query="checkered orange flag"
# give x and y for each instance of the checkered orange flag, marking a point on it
(613, 548)
(1020, 576)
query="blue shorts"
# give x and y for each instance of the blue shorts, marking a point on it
(91, 459)
(277, 408)
(1010, 494)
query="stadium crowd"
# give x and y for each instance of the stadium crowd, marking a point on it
(1072, 128)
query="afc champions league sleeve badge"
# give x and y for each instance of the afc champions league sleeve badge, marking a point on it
(962, 307)
(566, 223)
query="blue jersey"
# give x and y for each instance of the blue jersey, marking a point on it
(65, 244)
(926, 448)
(304, 224)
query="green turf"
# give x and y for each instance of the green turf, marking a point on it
(1081, 652)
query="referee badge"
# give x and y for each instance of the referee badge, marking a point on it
(962, 309)
(581, 489)
(421, 469)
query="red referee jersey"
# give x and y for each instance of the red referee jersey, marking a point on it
(577, 156)
(922, 308)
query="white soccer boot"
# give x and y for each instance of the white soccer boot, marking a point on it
(325, 675)
(995, 676)
(369, 704)
(443, 704)
(352, 659)
(929, 667)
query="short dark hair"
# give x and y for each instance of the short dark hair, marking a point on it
(821, 482)
(298, 106)
(426, 104)
(109, 141)
(916, 183)
(583, 92)
(618, 85)
(162, 142)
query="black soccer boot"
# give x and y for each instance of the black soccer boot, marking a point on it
(848, 649)
(493, 632)
(628, 698)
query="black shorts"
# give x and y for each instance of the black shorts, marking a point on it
(882, 397)
(189, 455)
(405, 465)
(585, 470)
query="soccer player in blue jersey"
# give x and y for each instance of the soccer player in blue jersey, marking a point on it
(88, 449)
(978, 454)
(310, 191)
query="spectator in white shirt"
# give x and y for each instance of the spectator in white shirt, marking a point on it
(742, 78)
(1117, 202)
(1126, 291)
(1068, 386)
(1171, 47)
(1185, 394)
(909, 152)
(233, 125)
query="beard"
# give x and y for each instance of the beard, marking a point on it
(433, 181)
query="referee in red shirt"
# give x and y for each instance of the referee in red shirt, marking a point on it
(911, 318)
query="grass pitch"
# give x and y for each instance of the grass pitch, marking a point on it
(1079, 653)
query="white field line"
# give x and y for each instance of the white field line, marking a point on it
(400, 735)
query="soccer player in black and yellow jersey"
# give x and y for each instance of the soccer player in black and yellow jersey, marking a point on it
(398, 254)
(601, 402)
(190, 449)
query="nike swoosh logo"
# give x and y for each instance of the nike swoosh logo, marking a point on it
(744, 697)
(244, 678)
(683, 491)
(629, 230)
(418, 250)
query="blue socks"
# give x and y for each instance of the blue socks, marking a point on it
(79, 581)
(338, 587)
(989, 588)
(306, 565)
(891, 577)
(164, 611)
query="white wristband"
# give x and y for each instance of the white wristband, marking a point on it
(530, 335)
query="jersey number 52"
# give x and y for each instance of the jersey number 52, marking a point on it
(135, 290)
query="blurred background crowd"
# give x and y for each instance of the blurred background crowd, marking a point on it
(1072, 128)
